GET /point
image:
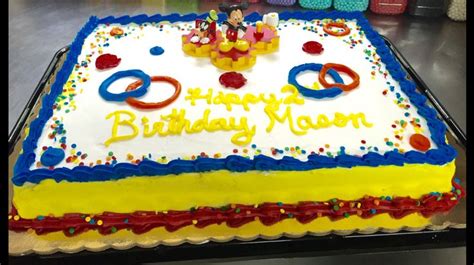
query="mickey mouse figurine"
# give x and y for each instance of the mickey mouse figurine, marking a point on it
(233, 27)
(205, 29)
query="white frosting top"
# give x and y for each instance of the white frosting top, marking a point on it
(84, 116)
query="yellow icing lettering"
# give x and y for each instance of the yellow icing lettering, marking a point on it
(175, 122)
(323, 121)
(246, 134)
(230, 99)
(195, 94)
(307, 123)
(200, 124)
(304, 123)
(249, 98)
(361, 116)
(340, 120)
(294, 98)
(117, 122)
(270, 111)
(219, 124)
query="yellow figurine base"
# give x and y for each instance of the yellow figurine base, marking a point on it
(226, 63)
(194, 50)
(263, 47)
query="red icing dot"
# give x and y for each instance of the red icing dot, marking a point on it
(106, 61)
(313, 47)
(232, 79)
(321, 149)
(235, 151)
(363, 141)
(420, 142)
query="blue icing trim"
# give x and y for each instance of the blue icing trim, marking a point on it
(415, 157)
(209, 164)
(157, 50)
(238, 163)
(61, 174)
(265, 163)
(140, 91)
(22, 173)
(181, 166)
(52, 156)
(375, 159)
(349, 161)
(395, 158)
(27, 158)
(319, 94)
(123, 170)
(103, 172)
(319, 161)
(291, 163)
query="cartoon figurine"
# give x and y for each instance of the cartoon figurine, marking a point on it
(233, 27)
(205, 31)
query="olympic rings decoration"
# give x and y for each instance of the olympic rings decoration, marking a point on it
(105, 94)
(329, 92)
(340, 68)
(138, 89)
(327, 28)
(144, 105)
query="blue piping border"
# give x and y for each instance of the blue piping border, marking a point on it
(444, 154)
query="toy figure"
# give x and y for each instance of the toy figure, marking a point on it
(205, 29)
(233, 28)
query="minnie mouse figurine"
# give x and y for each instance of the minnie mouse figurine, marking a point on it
(233, 27)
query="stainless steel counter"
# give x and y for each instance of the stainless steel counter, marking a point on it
(435, 47)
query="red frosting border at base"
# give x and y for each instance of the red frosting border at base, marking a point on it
(236, 215)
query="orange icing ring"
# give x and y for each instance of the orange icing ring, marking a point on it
(154, 105)
(420, 142)
(116, 31)
(327, 28)
(340, 68)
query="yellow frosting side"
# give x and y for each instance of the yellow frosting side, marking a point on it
(218, 188)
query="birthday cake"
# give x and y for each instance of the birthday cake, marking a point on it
(169, 121)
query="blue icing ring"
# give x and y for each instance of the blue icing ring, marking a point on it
(140, 91)
(157, 50)
(52, 156)
(319, 94)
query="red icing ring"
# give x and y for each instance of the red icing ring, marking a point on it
(154, 105)
(340, 68)
(106, 61)
(420, 142)
(327, 28)
(313, 47)
(232, 79)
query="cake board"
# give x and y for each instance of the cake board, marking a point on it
(439, 231)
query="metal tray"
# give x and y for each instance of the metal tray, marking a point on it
(446, 231)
